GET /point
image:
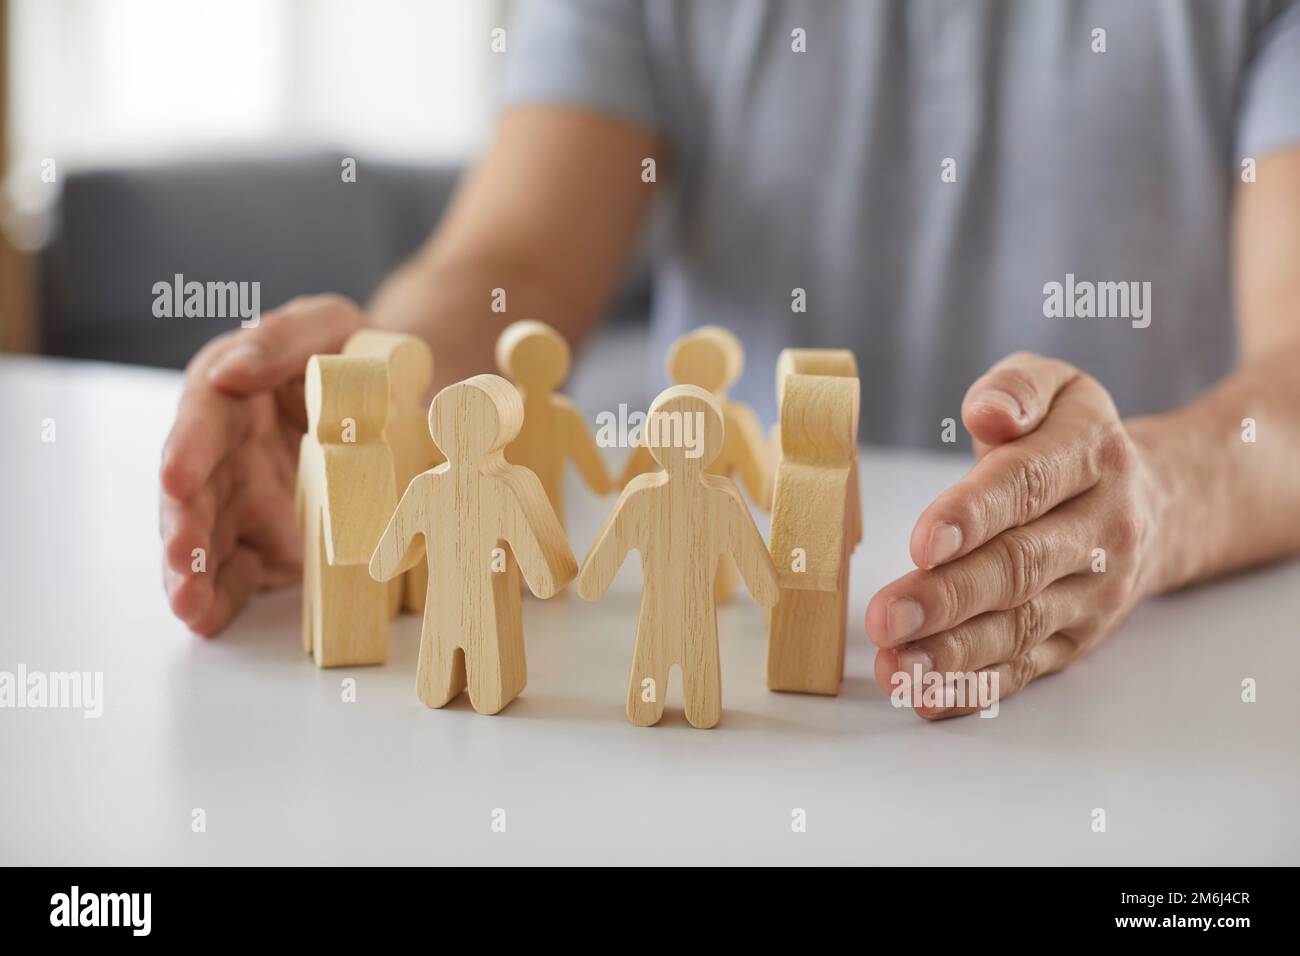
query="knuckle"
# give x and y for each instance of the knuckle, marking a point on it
(1116, 453)
(1031, 486)
(1127, 531)
(956, 651)
(1023, 671)
(1029, 627)
(204, 354)
(1024, 564)
(950, 591)
(1019, 384)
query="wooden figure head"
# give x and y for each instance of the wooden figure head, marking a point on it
(410, 360)
(813, 362)
(684, 430)
(346, 389)
(472, 418)
(533, 355)
(710, 357)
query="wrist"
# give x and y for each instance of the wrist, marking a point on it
(1170, 556)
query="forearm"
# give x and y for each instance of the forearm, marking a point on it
(1223, 502)
(449, 304)
(540, 228)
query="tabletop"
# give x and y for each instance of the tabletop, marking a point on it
(239, 750)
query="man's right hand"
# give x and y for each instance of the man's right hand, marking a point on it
(229, 466)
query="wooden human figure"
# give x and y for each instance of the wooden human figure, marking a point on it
(477, 515)
(410, 371)
(537, 359)
(712, 358)
(344, 497)
(682, 520)
(816, 521)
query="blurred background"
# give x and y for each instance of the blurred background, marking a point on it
(144, 138)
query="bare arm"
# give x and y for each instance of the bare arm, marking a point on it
(1230, 502)
(549, 214)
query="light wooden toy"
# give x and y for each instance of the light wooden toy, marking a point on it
(711, 358)
(682, 520)
(477, 515)
(816, 520)
(410, 371)
(537, 359)
(344, 497)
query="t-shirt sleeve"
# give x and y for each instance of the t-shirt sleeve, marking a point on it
(1269, 118)
(590, 54)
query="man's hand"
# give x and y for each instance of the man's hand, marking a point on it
(1010, 556)
(229, 467)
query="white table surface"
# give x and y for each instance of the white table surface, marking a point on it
(1151, 727)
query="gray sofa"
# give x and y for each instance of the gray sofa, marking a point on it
(290, 223)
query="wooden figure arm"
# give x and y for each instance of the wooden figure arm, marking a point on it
(533, 531)
(639, 461)
(398, 551)
(751, 555)
(754, 456)
(607, 553)
(583, 448)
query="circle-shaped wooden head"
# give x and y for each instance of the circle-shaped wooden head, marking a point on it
(839, 362)
(684, 429)
(533, 355)
(474, 417)
(409, 358)
(710, 357)
(342, 389)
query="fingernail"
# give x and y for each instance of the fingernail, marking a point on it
(905, 618)
(909, 658)
(248, 356)
(992, 398)
(945, 541)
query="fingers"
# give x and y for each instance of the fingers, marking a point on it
(998, 636)
(999, 682)
(277, 349)
(1013, 397)
(208, 425)
(1005, 573)
(1015, 483)
(188, 525)
(239, 577)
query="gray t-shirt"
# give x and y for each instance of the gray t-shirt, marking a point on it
(924, 170)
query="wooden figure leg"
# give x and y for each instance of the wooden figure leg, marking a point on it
(702, 679)
(495, 664)
(647, 685)
(310, 598)
(440, 673)
(354, 616)
(802, 653)
(727, 580)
